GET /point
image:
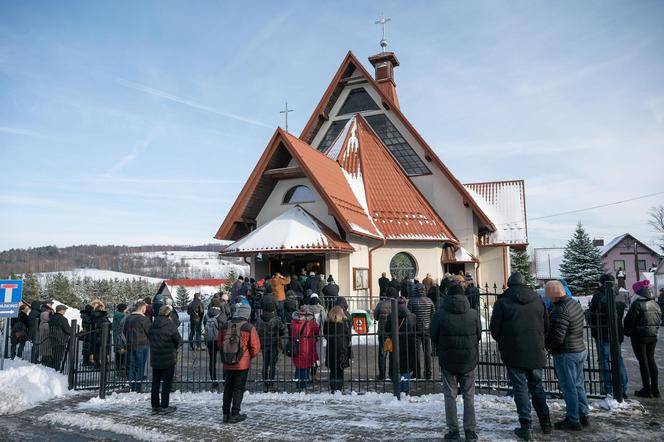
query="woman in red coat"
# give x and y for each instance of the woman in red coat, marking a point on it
(303, 332)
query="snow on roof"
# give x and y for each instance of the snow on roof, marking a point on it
(505, 204)
(547, 262)
(606, 248)
(293, 230)
(458, 254)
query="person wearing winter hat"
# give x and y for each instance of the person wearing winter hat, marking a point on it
(456, 331)
(164, 341)
(330, 293)
(235, 374)
(407, 329)
(271, 331)
(422, 307)
(641, 325)
(519, 323)
(472, 292)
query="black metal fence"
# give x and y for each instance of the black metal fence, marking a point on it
(95, 359)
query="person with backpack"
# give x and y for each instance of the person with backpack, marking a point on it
(19, 332)
(303, 334)
(164, 342)
(195, 310)
(215, 320)
(641, 325)
(238, 343)
(337, 332)
(455, 331)
(271, 330)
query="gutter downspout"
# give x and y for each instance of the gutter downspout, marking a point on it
(371, 250)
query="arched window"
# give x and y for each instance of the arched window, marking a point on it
(403, 264)
(298, 194)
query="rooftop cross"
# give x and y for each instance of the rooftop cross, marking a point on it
(285, 112)
(381, 21)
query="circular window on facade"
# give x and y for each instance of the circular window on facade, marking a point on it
(403, 264)
(298, 194)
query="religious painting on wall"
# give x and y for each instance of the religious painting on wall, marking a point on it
(360, 278)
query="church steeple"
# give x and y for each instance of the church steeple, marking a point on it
(384, 64)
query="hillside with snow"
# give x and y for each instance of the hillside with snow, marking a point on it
(96, 274)
(201, 264)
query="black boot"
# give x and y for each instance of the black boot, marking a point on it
(545, 424)
(523, 432)
(567, 425)
(655, 392)
(644, 392)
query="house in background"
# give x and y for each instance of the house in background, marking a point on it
(630, 254)
(206, 287)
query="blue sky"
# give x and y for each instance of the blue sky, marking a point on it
(138, 122)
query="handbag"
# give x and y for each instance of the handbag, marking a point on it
(292, 347)
(388, 346)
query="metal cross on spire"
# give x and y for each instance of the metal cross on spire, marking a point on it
(285, 112)
(381, 21)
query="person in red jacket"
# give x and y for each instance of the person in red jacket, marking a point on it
(235, 375)
(303, 331)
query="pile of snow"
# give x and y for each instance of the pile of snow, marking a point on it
(95, 274)
(71, 313)
(86, 421)
(24, 385)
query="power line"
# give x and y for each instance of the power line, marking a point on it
(597, 207)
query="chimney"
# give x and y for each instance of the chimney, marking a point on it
(598, 242)
(384, 64)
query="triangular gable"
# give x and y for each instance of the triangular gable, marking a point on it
(350, 65)
(618, 239)
(324, 173)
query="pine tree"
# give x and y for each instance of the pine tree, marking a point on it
(60, 289)
(230, 280)
(182, 297)
(521, 263)
(31, 288)
(582, 265)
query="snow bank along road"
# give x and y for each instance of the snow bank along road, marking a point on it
(296, 417)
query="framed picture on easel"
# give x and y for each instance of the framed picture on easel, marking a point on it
(360, 278)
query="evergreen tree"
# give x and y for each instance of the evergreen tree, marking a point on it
(230, 280)
(31, 288)
(521, 263)
(182, 297)
(582, 265)
(60, 289)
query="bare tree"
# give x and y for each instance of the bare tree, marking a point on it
(656, 221)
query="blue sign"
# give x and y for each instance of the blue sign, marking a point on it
(10, 298)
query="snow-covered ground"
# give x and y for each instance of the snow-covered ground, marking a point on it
(371, 416)
(203, 261)
(24, 385)
(95, 274)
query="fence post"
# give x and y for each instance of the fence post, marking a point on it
(73, 354)
(396, 370)
(614, 340)
(103, 355)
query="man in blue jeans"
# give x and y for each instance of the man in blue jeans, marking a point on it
(135, 330)
(598, 314)
(519, 324)
(565, 342)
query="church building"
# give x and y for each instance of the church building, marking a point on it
(360, 192)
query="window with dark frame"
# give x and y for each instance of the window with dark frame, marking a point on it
(358, 100)
(409, 161)
(618, 264)
(331, 134)
(298, 194)
(403, 265)
(642, 265)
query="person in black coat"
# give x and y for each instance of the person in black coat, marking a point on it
(434, 295)
(337, 332)
(19, 332)
(196, 311)
(407, 330)
(271, 331)
(472, 292)
(456, 331)
(395, 284)
(383, 284)
(58, 334)
(330, 293)
(423, 308)
(598, 314)
(98, 318)
(641, 325)
(381, 315)
(313, 283)
(519, 324)
(164, 343)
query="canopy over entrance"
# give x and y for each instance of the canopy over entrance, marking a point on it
(295, 231)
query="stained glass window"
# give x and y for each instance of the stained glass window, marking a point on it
(358, 100)
(331, 134)
(403, 264)
(397, 145)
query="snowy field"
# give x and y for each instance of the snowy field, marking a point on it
(313, 417)
(203, 262)
(95, 274)
(24, 385)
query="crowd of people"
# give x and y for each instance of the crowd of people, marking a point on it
(303, 317)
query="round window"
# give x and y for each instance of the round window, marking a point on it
(403, 265)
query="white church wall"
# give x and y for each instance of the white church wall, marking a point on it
(491, 269)
(427, 256)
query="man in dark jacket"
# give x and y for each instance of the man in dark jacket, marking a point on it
(383, 284)
(455, 331)
(313, 283)
(271, 331)
(88, 336)
(598, 318)
(406, 332)
(330, 293)
(195, 310)
(472, 292)
(19, 332)
(565, 343)
(380, 314)
(136, 329)
(164, 342)
(641, 325)
(395, 284)
(519, 324)
(660, 302)
(423, 309)
(33, 330)
(58, 333)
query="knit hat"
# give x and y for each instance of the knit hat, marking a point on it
(516, 278)
(330, 279)
(642, 288)
(455, 289)
(60, 308)
(242, 311)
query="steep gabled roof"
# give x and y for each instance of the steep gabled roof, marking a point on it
(321, 114)
(604, 250)
(394, 204)
(324, 173)
(294, 231)
(505, 203)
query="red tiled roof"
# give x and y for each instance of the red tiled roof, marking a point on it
(396, 206)
(195, 282)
